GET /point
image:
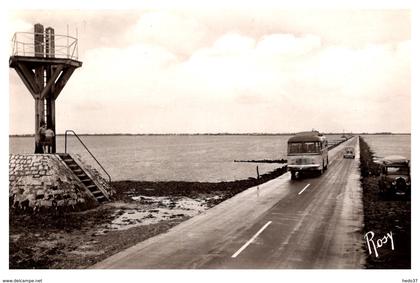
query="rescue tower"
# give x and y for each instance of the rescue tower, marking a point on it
(45, 62)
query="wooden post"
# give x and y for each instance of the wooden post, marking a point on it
(49, 42)
(258, 173)
(50, 97)
(54, 147)
(39, 77)
(39, 40)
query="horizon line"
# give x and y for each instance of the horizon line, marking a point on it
(219, 134)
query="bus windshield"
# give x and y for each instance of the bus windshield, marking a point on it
(304, 147)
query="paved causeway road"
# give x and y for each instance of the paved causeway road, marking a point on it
(313, 222)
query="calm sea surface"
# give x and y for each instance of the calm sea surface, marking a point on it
(164, 158)
(384, 145)
(188, 158)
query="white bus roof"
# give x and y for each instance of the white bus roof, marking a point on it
(311, 136)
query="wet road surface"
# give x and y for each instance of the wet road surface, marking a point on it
(313, 222)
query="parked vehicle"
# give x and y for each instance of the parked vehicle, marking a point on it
(349, 152)
(395, 176)
(307, 151)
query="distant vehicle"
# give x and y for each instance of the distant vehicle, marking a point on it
(349, 152)
(395, 176)
(307, 151)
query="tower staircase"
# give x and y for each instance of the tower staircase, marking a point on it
(84, 178)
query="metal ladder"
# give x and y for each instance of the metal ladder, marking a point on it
(81, 174)
(84, 178)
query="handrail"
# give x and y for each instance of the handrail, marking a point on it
(91, 154)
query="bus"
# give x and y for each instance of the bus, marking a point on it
(307, 152)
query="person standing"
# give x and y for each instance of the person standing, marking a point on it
(40, 138)
(49, 138)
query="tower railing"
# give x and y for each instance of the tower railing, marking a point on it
(24, 44)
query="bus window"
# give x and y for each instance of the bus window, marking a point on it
(295, 147)
(304, 147)
(309, 147)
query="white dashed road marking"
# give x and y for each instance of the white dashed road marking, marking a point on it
(251, 240)
(304, 189)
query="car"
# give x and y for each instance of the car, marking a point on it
(349, 152)
(394, 178)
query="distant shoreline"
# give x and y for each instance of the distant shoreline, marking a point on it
(211, 134)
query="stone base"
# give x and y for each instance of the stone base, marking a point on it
(43, 182)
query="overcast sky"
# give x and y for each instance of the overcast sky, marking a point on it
(191, 70)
